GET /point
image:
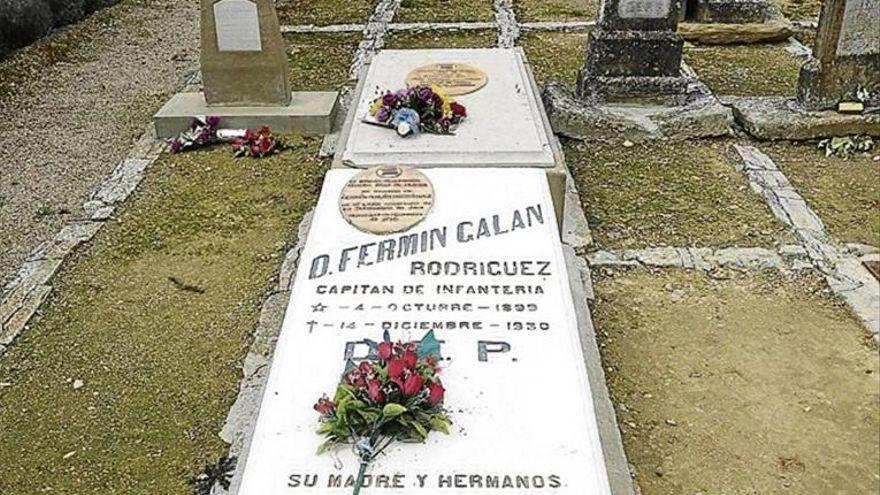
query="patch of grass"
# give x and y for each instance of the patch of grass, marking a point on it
(320, 61)
(323, 13)
(557, 10)
(63, 45)
(844, 193)
(663, 193)
(799, 10)
(715, 383)
(441, 39)
(445, 11)
(556, 56)
(746, 70)
(160, 365)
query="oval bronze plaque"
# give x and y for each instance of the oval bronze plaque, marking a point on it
(386, 199)
(455, 78)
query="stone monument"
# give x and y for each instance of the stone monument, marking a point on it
(244, 74)
(843, 74)
(634, 53)
(633, 83)
(845, 66)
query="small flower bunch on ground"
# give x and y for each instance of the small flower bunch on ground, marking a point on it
(202, 133)
(394, 394)
(420, 108)
(846, 146)
(257, 144)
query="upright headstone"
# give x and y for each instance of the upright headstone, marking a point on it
(244, 62)
(846, 57)
(635, 52)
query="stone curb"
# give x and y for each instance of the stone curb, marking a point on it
(703, 259)
(24, 295)
(845, 274)
(238, 428)
(508, 28)
(374, 35)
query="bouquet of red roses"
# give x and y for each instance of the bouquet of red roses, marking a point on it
(257, 144)
(394, 394)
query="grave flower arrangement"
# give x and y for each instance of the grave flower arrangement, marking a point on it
(202, 133)
(395, 394)
(257, 144)
(417, 109)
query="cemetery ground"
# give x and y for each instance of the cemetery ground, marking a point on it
(730, 380)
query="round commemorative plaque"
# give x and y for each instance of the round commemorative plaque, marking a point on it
(386, 199)
(455, 78)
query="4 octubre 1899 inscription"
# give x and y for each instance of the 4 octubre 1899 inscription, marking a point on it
(386, 199)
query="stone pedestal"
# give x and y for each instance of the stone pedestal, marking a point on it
(634, 54)
(846, 58)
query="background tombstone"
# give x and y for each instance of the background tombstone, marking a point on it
(245, 77)
(846, 56)
(635, 52)
(243, 58)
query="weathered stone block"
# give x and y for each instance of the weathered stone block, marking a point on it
(732, 11)
(633, 53)
(783, 118)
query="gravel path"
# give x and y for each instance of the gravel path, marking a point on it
(77, 102)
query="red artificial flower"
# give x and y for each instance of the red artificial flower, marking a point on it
(365, 367)
(325, 406)
(436, 393)
(410, 358)
(395, 368)
(458, 110)
(374, 391)
(265, 131)
(412, 385)
(385, 349)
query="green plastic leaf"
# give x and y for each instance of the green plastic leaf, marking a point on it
(324, 447)
(386, 336)
(423, 433)
(439, 424)
(392, 410)
(429, 345)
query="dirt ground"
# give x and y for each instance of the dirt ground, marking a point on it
(750, 385)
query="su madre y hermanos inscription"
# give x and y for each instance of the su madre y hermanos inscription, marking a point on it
(485, 273)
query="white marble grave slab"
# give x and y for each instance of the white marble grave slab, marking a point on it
(518, 395)
(237, 23)
(505, 124)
